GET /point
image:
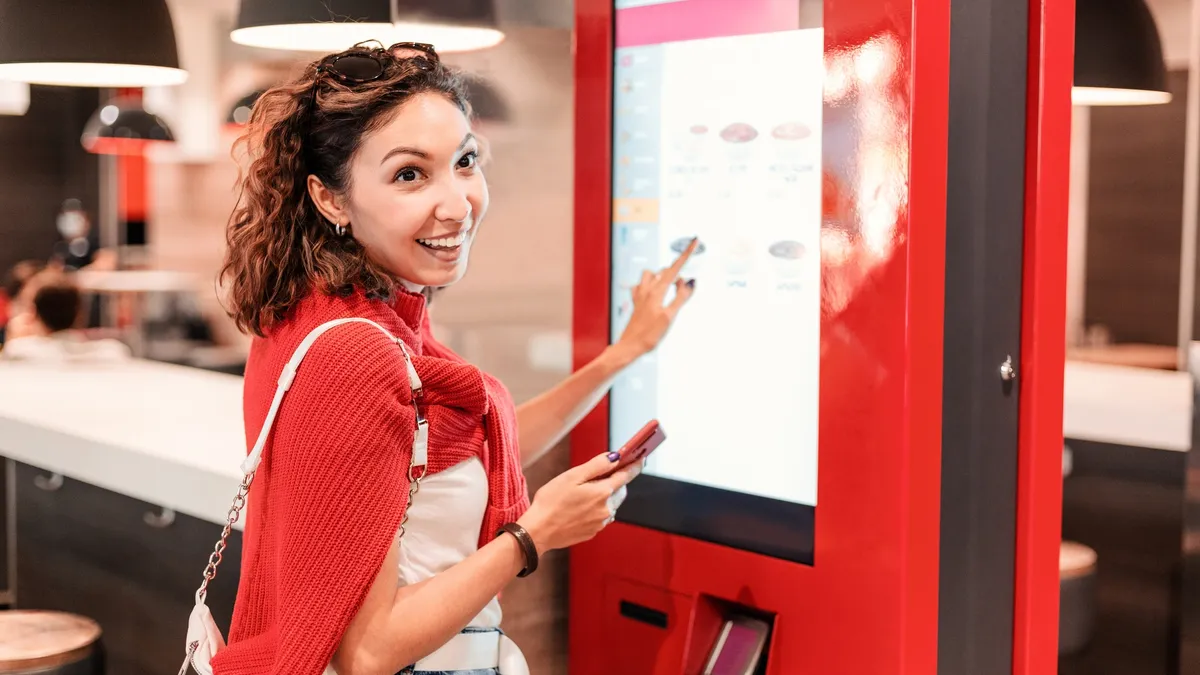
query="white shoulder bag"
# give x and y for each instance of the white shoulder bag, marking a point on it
(204, 639)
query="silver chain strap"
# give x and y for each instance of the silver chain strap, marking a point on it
(235, 512)
(414, 486)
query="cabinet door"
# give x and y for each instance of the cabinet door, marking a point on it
(90, 551)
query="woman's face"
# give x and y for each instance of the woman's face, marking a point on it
(416, 196)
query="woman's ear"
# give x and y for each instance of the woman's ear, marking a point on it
(328, 203)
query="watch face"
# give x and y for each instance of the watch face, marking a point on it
(739, 649)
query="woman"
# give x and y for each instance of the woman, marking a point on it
(362, 194)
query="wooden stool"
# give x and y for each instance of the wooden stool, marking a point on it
(49, 643)
(1077, 596)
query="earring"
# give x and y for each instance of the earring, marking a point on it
(339, 229)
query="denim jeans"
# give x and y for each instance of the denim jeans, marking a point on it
(485, 671)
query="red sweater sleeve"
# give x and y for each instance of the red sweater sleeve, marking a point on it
(333, 486)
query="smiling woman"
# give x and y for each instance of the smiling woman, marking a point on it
(364, 192)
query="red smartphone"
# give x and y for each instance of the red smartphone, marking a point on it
(641, 445)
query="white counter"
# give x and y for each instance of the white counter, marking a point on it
(1128, 406)
(173, 436)
(168, 435)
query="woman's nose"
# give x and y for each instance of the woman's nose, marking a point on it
(454, 206)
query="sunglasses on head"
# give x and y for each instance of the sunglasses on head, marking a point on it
(358, 65)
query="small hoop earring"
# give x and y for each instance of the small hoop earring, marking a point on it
(340, 230)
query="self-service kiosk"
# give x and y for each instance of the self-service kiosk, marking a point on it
(790, 523)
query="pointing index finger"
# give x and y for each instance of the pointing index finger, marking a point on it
(672, 272)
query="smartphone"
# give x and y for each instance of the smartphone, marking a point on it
(641, 445)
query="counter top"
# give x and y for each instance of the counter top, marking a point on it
(173, 436)
(1140, 407)
(169, 435)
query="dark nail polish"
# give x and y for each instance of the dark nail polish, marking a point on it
(691, 283)
(614, 456)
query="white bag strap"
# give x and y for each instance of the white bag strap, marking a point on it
(206, 630)
(420, 449)
(289, 375)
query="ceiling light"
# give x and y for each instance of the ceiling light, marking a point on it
(124, 127)
(1118, 55)
(335, 25)
(115, 43)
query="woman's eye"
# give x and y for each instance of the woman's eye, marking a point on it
(468, 160)
(408, 175)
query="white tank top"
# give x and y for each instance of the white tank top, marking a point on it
(443, 528)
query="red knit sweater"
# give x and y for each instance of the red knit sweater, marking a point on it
(328, 497)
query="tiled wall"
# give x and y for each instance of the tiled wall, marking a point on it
(518, 290)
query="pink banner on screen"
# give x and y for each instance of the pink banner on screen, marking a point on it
(678, 20)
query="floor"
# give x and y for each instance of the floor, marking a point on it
(1134, 521)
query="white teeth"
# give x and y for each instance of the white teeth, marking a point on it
(446, 242)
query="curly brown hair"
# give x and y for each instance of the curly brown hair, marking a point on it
(280, 248)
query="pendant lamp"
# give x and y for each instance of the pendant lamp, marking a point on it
(239, 114)
(124, 127)
(1118, 55)
(89, 43)
(334, 25)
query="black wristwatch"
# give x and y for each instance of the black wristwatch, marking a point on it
(528, 548)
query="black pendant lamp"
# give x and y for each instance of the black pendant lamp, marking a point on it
(1118, 54)
(89, 43)
(239, 114)
(124, 127)
(448, 25)
(334, 25)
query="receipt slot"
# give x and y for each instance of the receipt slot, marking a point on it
(790, 522)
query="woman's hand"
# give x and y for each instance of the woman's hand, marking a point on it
(577, 504)
(651, 319)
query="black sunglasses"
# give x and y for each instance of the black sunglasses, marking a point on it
(358, 65)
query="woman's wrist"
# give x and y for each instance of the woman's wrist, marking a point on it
(515, 552)
(525, 542)
(532, 525)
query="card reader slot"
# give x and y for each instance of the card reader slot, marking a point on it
(644, 614)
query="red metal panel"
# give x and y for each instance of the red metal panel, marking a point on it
(869, 605)
(1043, 336)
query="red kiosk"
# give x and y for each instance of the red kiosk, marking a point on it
(797, 501)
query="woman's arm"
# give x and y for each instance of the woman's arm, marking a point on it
(427, 614)
(544, 420)
(397, 626)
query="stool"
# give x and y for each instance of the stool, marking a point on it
(1077, 596)
(49, 643)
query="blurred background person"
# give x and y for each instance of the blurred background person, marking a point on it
(78, 246)
(46, 329)
(14, 281)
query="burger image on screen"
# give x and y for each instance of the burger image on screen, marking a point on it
(787, 256)
(738, 140)
(791, 131)
(739, 132)
(789, 141)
